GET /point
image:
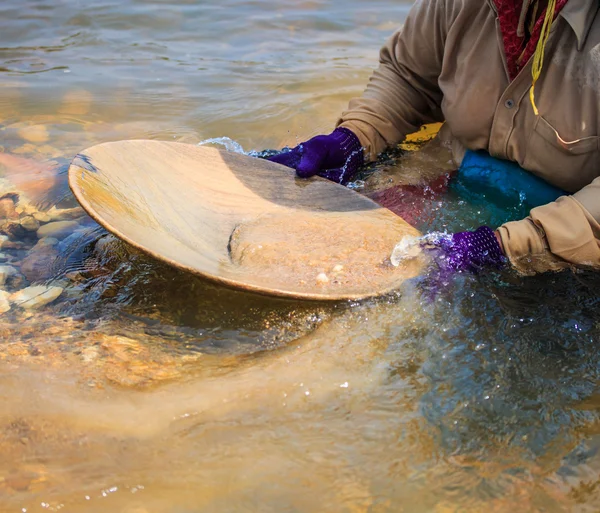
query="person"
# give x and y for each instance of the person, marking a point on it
(514, 81)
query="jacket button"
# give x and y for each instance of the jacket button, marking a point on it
(509, 104)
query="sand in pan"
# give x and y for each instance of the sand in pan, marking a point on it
(316, 252)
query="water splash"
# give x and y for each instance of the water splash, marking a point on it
(227, 142)
(411, 247)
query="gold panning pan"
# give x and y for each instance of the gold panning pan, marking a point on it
(241, 221)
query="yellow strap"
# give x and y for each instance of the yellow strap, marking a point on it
(538, 56)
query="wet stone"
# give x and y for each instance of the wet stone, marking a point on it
(13, 229)
(42, 217)
(65, 214)
(25, 208)
(6, 271)
(25, 149)
(89, 354)
(37, 265)
(34, 133)
(4, 302)
(35, 296)
(7, 209)
(57, 229)
(30, 223)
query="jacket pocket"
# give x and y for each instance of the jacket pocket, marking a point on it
(568, 164)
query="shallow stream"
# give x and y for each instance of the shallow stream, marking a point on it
(140, 389)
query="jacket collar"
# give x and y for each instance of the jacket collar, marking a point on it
(579, 14)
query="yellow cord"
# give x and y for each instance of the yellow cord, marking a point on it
(538, 56)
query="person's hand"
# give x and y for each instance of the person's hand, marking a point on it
(452, 253)
(336, 156)
(469, 251)
(455, 252)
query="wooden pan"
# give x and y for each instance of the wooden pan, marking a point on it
(241, 221)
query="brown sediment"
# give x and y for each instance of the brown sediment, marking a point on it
(316, 250)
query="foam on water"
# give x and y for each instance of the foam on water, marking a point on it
(228, 143)
(411, 247)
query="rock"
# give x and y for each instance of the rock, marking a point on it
(49, 151)
(5, 272)
(25, 208)
(30, 177)
(35, 297)
(5, 257)
(42, 217)
(322, 279)
(74, 291)
(34, 133)
(89, 354)
(37, 265)
(7, 209)
(6, 243)
(46, 241)
(65, 214)
(30, 223)
(57, 229)
(75, 276)
(25, 149)
(13, 229)
(4, 302)
(17, 281)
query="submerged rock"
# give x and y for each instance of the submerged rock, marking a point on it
(37, 265)
(7, 208)
(6, 271)
(31, 178)
(57, 229)
(35, 297)
(42, 217)
(64, 214)
(4, 302)
(30, 223)
(34, 133)
(13, 229)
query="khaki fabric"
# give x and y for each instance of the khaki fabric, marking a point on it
(447, 64)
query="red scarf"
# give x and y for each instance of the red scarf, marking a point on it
(518, 50)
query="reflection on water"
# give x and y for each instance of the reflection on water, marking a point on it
(142, 389)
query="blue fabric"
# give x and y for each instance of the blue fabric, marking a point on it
(502, 182)
(490, 191)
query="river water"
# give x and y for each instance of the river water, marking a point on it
(141, 389)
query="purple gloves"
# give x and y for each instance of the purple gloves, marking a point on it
(336, 156)
(452, 253)
(455, 252)
(470, 251)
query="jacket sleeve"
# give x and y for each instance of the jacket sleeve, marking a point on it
(557, 235)
(403, 93)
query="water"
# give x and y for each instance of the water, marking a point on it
(144, 390)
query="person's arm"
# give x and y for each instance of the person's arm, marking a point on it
(403, 93)
(557, 235)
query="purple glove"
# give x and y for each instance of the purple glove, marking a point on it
(452, 253)
(336, 156)
(468, 251)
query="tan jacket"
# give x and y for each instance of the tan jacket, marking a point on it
(447, 64)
